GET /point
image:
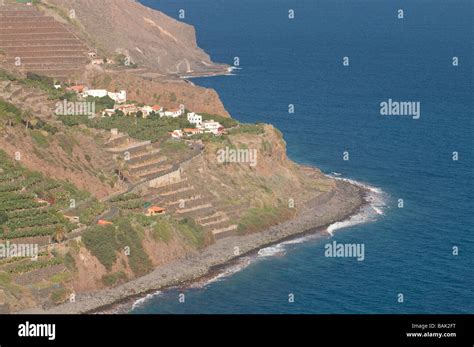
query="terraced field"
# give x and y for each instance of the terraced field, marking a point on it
(30, 216)
(37, 43)
(142, 159)
(30, 203)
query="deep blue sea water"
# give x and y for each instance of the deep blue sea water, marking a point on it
(299, 62)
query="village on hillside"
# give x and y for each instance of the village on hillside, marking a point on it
(122, 108)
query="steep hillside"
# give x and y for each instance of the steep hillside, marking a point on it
(45, 145)
(34, 42)
(109, 199)
(82, 246)
(168, 93)
(150, 38)
(46, 39)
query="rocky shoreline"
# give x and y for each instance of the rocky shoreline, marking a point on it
(339, 204)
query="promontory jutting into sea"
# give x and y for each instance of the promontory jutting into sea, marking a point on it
(192, 157)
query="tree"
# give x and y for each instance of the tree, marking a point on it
(3, 217)
(10, 118)
(59, 234)
(27, 118)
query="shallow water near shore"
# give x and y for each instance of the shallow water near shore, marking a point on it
(407, 250)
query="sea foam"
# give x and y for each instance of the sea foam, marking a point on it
(376, 203)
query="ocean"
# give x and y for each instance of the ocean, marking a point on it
(410, 252)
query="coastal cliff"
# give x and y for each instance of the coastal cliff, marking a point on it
(116, 205)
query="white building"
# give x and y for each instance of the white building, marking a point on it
(210, 126)
(119, 97)
(146, 110)
(128, 109)
(172, 113)
(95, 93)
(194, 118)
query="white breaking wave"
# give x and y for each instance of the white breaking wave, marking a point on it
(280, 248)
(376, 199)
(271, 251)
(142, 301)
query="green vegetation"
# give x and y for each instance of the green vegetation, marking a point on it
(67, 143)
(226, 122)
(124, 197)
(3, 217)
(101, 103)
(153, 128)
(162, 230)
(46, 84)
(88, 214)
(256, 219)
(130, 201)
(114, 278)
(100, 241)
(129, 238)
(193, 232)
(6, 107)
(60, 277)
(60, 295)
(7, 284)
(126, 236)
(6, 76)
(267, 147)
(30, 202)
(69, 261)
(106, 242)
(13, 115)
(253, 129)
(123, 60)
(34, 265)
(39, 138)
(170, 146)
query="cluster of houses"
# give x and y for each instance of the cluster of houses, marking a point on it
(201, 127)
(120, 98)
(146, 111)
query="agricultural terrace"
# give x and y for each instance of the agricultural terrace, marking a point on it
(30, 203)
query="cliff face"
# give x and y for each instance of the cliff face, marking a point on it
(169, 94)
(149, 37)
(211, 200)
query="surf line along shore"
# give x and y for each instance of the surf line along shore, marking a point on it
(316, 215)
